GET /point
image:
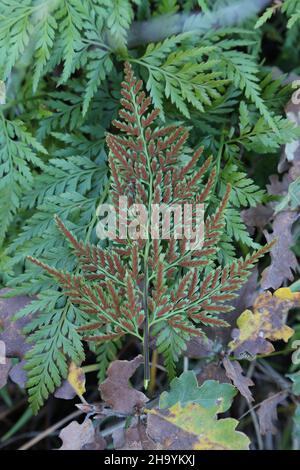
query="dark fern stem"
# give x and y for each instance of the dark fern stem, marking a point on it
(146, 345)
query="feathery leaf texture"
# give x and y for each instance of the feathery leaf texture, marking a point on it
(159, 283)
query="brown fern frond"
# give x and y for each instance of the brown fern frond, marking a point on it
(146, 286)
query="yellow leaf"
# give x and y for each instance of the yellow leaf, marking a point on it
(285, 293)
(266, 322)
(76, 379)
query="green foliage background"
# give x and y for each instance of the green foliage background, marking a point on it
(61, 65)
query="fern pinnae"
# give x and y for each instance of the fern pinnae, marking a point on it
(148, 286)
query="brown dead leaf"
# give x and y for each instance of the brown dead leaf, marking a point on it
(116, 391)
(12, 330)
(283, 260)
(266, 322)
(83, 436)
(278, 187)
(257, 216)
(267, 412)
(234, 372)
(18, 375)
(65, 391)
(4, 371)
(74, 385)
(133, 438)
(199, 347)
(291, 152)
(212, 371)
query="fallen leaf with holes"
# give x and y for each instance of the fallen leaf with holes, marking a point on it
(267, 413)
(266, 323)
(83, 436)
(116, 391)
(234, 372)
(283, 260)
(194, 427)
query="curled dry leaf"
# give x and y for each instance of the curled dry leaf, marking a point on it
(235, 373)
(266, 322)
(83, 436)
(283, 260)
(267, 412)
(116, 391)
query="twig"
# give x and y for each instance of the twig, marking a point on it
(256, 428)
(50, 430)
(258, 404)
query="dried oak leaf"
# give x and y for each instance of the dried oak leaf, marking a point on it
(83, 436)
(18, 375)
(283, 260)
(267, 412)
(212, 371)
(194, 427)
(133, 438)
(199, 347)
(11, 337)
(257, 216)
(116, 391)
(4, 371)
(266, 322)
(11, 331)
(234, 372)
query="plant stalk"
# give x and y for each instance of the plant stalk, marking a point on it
(146, 329)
